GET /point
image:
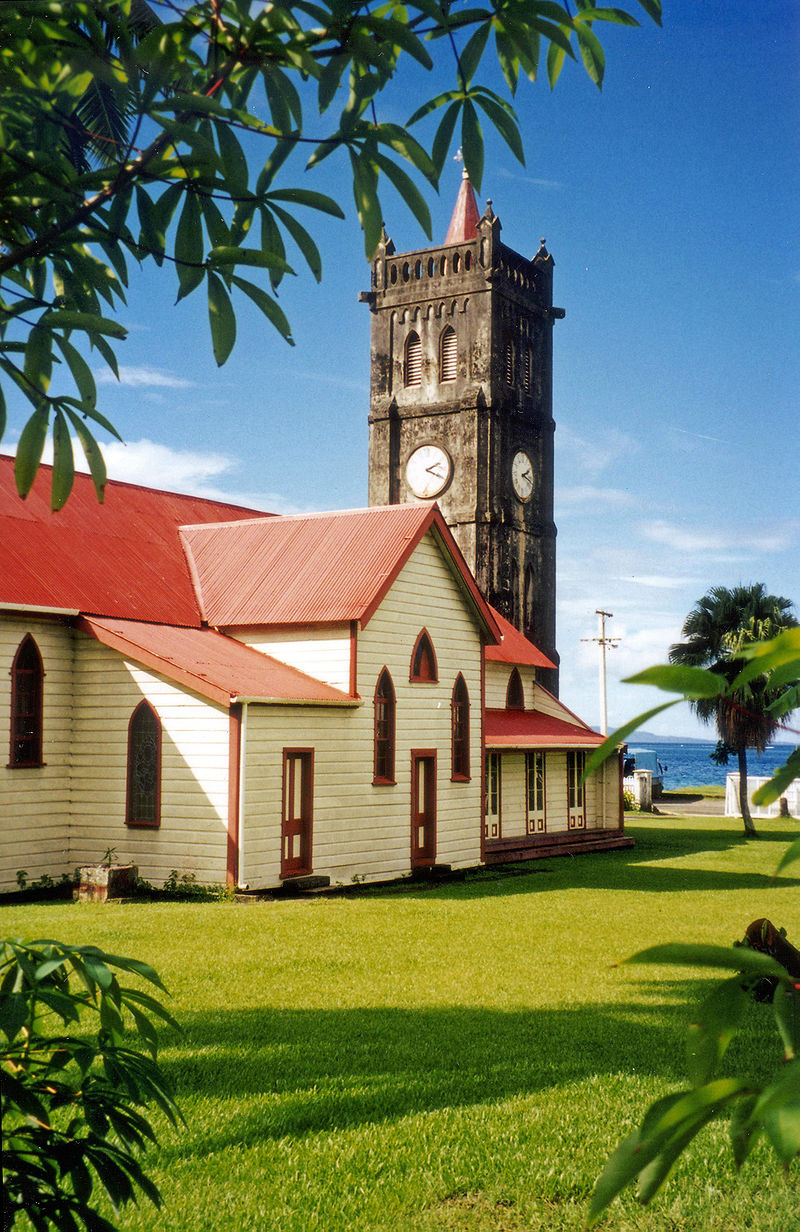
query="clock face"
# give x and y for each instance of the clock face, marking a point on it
(522, 475)
(428, 471)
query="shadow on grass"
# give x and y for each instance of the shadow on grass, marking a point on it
(633, 868)
(275, 1073)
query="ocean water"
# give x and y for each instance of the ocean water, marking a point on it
(689, 765)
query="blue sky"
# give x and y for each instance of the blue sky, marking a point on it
(671, 204)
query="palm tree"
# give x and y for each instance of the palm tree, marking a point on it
(716, 629)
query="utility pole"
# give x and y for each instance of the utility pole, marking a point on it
(603, 641)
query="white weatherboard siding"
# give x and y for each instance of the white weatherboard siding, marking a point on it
(325, 655)
(361, 829)
(497, 678)
(34, 800)
(192, 837)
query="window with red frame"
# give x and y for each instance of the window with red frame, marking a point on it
(384, 703)
(27, 689)
(515, 695)
(459, 705)
(423, 659)
(143, 807)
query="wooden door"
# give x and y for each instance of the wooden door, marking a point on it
(298, 805)
(423, 807)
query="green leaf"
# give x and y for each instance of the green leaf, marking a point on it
(305, 196)
(790, 856)
(63, 463)
(30, 449)
(592, 54)
(470, 57)
(408, 191)
(270, 308)
(97, 466)
(733, 958)
(189, 246)
(472, 144)
(365, 193)
(505, 124)
(221, 318)
(716, 1023)
(786, 1007)
(227, 255)
(611, 743)
(88, 322)
(771, 791)
(81, 372)
(303, 240)
(444, 137)
(39, 358)
(233, 160)
(691, 682)
(555, 62)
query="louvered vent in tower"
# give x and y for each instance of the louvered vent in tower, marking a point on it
(413, 373)
(449, 354)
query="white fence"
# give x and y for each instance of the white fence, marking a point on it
(732, 809)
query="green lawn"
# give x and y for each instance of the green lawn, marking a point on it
(451, 1058)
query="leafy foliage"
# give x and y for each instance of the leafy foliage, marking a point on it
(669, 1125)
(73, 1097)
(125, 136)
(774, 665)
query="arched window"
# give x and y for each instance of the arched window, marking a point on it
(515, 695)
(527, 374)
(423, 659)
(143, 806)
(384, 703)
(448, 355)
(27, 681)
(509, 362)
(413, 364)
(459, 708)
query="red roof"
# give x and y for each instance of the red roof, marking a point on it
(523, 729)
(515, 647)
(121, 558)
(464, 223)
(215, 666)
(324, 568)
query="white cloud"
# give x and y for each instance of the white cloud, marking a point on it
(597, 452)
(503, 173)
(740, 539)
(659, 581)
(588, 494)
(191, 472)
(142, 377)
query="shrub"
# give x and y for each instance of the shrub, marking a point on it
(73, 1093)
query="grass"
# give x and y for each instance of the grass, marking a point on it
(460, 1057)
(711, 791)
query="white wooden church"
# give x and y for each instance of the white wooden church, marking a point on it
(258, 700)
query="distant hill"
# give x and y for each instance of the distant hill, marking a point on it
(643, 738)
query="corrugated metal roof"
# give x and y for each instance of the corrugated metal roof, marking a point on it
(515, 647)
(521, 729)
(211, 664)
(121, 558)
(326, 568)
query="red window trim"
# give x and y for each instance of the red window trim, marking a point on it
(28, 644)
(134, 822)
(423, 651)
(388, 759)
(459, 776)
(307, 807)
(431, 756)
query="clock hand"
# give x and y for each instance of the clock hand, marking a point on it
(434, 470)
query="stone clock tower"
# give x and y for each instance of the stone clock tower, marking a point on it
(461, 405)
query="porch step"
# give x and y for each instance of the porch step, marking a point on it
(291, 886)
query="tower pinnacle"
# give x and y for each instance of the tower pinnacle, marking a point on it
(464, 223)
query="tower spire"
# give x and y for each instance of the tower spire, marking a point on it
(464, 223)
